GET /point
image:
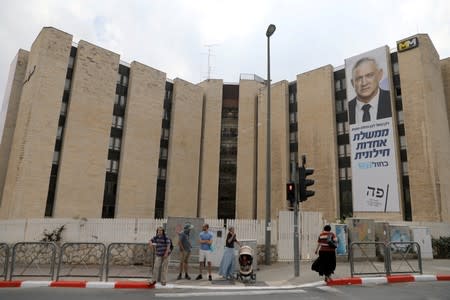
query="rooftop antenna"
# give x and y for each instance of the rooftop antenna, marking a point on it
(209, 58)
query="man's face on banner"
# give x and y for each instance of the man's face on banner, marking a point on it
(365, 80)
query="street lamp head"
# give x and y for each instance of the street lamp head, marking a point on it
(270, 30)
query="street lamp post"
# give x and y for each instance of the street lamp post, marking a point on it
(269, 32)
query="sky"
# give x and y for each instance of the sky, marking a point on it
(197, 39)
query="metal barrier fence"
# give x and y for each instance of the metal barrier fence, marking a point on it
(82, 254)
(37, 254)
(4, 259)
(139, 263)
(38, 259)
(385, 258)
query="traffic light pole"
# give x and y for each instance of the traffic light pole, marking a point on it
(296, 208)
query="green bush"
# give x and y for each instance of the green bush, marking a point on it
(441, 247)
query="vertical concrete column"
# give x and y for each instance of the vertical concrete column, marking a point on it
(280, 145)
(426, 130)
(8, 118)
(84, 156)
(247, 151)
(183, 164)
(445, 68)
(27, 178)
(138, 172)
(210, 148)
(317, 138)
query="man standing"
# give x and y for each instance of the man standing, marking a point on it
(161, 246)
(185, 250)
(206, 239)
(371, 102)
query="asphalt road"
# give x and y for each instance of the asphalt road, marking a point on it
(406, 291)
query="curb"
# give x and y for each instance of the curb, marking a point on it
(147, 285)
(387, 279)
(78, 284)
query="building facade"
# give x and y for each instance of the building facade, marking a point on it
(87, 135)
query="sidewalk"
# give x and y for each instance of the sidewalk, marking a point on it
(276, 275)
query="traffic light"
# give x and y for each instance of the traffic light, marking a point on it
(290, 192)
(304, 182)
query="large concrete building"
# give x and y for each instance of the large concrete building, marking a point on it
(87, 135)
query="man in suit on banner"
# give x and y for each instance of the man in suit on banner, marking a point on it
(371, 102)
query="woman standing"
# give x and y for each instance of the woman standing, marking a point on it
(327, 253)
(227, 263)
(161, 247)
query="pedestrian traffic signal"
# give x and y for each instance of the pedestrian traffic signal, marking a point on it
(290, 192)
(304, 182)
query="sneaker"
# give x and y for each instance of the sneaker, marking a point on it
(186, 276)
(209, 278)
(199, 277)
(163, 283)
(179, 276)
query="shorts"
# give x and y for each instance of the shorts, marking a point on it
(204, 255)
(184, 256)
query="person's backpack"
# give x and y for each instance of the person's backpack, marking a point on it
(171, 244)
(331, 242)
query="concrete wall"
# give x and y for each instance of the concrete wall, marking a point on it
(9, 117)
(427, 131)
(247, 152)
(445, 68)
(317, 138)
(183, 164)
(210, 148)
(279, 144)
(82, 168)
(30, 163)
(138, 172)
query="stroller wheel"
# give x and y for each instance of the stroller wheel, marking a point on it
(253, 276)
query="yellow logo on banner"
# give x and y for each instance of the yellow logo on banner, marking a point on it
(407, 44)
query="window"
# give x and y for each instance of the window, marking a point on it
(71, 60)
(400, 118)
(341, 150)
(293, 137)
(291, 98)
(292, 118)
(165, 134)
(112, 166)
(114, 143)
(163, 154)
(117, 122)
(63, 109)
(125, 80)
(67, 85)
(342, 174)
(395, 68)
(162, 173)
(59, 133)
(405, 168)
(340, 128)
(402, 142)
(339, 106)
(55, 158)
(339, 84)
(348, 150)
(120, 100)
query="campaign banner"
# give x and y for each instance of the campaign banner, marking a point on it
(375, 176)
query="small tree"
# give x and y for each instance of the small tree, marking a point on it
(53, 236)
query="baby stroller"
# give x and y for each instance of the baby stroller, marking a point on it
(246, 264)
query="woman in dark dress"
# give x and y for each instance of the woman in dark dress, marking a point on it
(327, 253)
